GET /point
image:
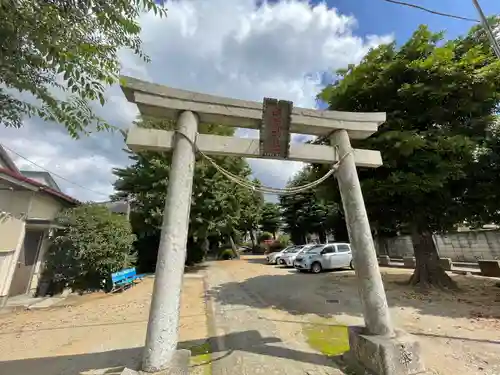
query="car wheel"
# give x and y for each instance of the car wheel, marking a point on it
(279, 261)
(316, 267)
(351, 265)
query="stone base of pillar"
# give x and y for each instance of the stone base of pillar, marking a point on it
(382, 355)
(178, 366)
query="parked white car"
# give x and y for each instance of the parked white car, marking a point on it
(273, 258)
(288, 258)
(324, 257)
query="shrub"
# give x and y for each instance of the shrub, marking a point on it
(284, 239)
(264, 236)
(92, 243)
(195, 253)
(226, 254)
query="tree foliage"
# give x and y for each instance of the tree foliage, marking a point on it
(440, 98)
(309, 213)
(251, 210)
(92, 243)
(482, 195)
(271, 218)
(219, 207)
(58, 55)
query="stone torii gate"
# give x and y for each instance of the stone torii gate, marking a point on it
(377, 345)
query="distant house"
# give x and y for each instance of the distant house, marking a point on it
(42, 177)
(29, 204)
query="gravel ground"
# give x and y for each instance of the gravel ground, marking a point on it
(459, 332)
(93, 331)
(263, 315)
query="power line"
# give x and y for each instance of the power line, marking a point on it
(53, 173)
(432, 11)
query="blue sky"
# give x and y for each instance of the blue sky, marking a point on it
(381, 17)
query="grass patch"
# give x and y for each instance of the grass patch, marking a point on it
(331, 340)
(201, 355)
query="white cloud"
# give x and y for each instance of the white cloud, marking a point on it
(231, 48)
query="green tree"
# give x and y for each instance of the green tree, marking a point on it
(482, 195)
(440, 98)
(218, 205)
(308, 212)
(271, 218)
(61, 55)
(92, 243)
(251, 205)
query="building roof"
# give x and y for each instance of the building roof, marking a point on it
(41, 187)
(42, 177)
(7, 161)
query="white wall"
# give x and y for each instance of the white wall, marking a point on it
(8, 259)
(38, 206)
(15, 202)
(38, 267)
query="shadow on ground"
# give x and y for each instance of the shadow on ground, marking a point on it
(195, 268)
(259, 260)
(336, 292)
(249, 341)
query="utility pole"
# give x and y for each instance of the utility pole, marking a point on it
(487, 28)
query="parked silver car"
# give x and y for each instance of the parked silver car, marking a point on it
(287, 259)
(273, 258)
(324, 257)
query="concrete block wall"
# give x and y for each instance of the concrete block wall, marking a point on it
(395, 247)
(469, 246)
(460, 246)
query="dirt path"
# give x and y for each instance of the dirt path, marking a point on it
(254, 339)
(95, 331)
(269, 320)
(459, 332)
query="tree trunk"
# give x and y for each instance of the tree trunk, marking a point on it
(205, 247)
(382, 247)
(428, 272)
(252, 238)
(322, 236)
(274, 235)
(233, 246)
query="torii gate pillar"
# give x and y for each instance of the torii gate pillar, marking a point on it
(370, 286)
(377, 346)
(163, 327)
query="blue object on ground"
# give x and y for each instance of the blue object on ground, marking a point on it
(125, 278)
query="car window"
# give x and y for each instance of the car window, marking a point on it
(328, 249)
(343, 248)
(314, 249)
